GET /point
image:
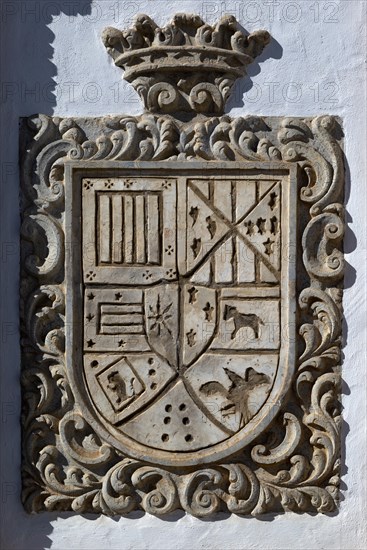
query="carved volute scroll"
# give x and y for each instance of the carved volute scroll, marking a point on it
(181, 292)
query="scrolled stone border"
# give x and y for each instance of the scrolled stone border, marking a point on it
(65, 464)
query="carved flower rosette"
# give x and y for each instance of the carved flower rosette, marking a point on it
(293, 465)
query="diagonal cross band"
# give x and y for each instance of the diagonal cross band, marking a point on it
(233, 228)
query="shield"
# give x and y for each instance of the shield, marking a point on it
(183, 346)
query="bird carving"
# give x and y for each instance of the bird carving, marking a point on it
(238, 392)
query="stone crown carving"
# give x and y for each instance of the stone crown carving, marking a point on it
(186, 66)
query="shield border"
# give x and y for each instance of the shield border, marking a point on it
(75, 172)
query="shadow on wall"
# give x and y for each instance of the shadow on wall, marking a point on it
(27, 87)
(25, 30)
(243, 85)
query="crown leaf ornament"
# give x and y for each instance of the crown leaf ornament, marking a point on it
(186, 66)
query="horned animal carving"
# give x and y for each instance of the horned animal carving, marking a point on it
(242, 320)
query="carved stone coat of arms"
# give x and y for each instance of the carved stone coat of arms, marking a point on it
(181, 293)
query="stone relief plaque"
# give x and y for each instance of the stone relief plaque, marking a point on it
(181, 293)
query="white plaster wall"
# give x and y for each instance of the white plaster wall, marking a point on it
(53, 61)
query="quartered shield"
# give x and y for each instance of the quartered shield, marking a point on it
(187, 344)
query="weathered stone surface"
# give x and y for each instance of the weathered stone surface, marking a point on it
(181, 313)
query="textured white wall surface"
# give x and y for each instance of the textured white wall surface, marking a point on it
(53, 62)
